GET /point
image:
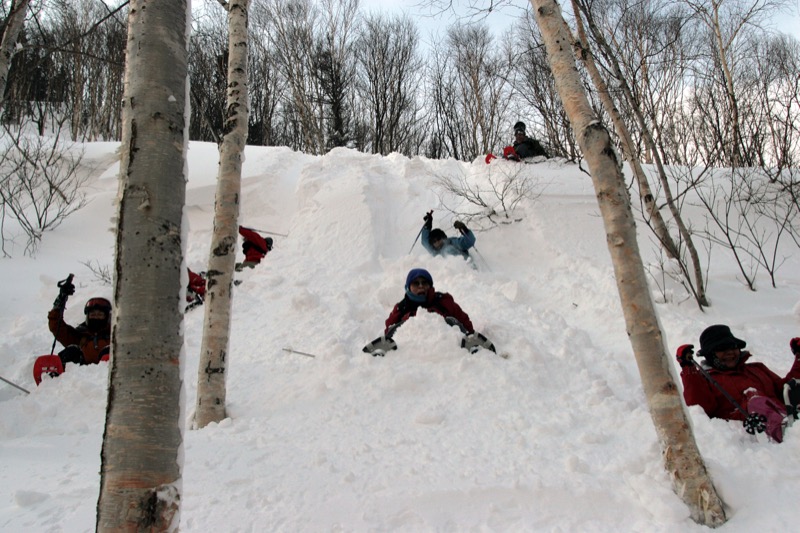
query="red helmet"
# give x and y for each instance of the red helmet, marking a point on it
(97, 304)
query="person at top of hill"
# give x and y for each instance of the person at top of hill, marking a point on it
(254, 246)
(727, 386)
(523, 146)
(419, 292)
(87, 343)
(438, 243)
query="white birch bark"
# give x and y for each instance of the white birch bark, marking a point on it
(141, 466)
(690, 478)
(211, 389)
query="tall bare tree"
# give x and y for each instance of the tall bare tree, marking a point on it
(534, 86)
(334, 67)
(217, 320)
(295, 24)
(692, 273)
(141, 466)
(266, 83)
(683, 461)
(648, 199)
(728, 22)
(11, 27)
(471, 91)
(390, 72)
(208, 68)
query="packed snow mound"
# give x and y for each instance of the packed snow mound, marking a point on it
(428, 438)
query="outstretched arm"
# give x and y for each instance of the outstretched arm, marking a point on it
(451, 308)
(466, 241)
(426, 233)
(395, 318)
(63, 332)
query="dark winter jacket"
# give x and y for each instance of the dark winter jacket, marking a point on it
(254, 246)
(92, 342)
(697, 390)
(529, 148)
(435, 302)
(452, 245)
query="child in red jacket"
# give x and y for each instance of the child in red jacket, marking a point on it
(420, 293)
(254, 246)
(727, 386)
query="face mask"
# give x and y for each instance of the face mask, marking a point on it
(96, 323)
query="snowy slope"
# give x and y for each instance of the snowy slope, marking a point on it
(429, 438)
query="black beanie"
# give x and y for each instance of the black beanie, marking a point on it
(519, 126)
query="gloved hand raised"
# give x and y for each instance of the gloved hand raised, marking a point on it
(794, 344)
(460, 226)
(65, 290)
(65, 286)
(685, 355)
(428, 219)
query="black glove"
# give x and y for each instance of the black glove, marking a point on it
(794, 344)
(460, 226)
(685, 355)
(65, 290)
(65, 286)
(429, 220)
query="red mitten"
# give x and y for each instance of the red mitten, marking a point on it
(684, 355)
(489, 158)
(510, 153)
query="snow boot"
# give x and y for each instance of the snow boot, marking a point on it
(380, 346)
(791, 397)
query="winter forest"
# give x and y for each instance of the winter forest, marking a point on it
(705, 79)
(669, 107)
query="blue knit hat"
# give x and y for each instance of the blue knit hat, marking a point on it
(414, 274)
(418, 273)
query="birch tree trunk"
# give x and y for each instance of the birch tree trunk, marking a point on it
(682, 458)
(217, 320)
(698, 286)
(140, 473)
(8, 41)
(646, 194)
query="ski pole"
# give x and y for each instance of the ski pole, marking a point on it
(15, 385)
(268, 232)
(415, 240)
(60, 284)
(482, 258)
(754, 423)
(301, 353)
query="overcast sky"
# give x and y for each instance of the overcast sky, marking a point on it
(501, 19)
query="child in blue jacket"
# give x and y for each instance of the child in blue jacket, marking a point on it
(438, 243)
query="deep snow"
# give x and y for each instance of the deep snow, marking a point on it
(429, 438)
